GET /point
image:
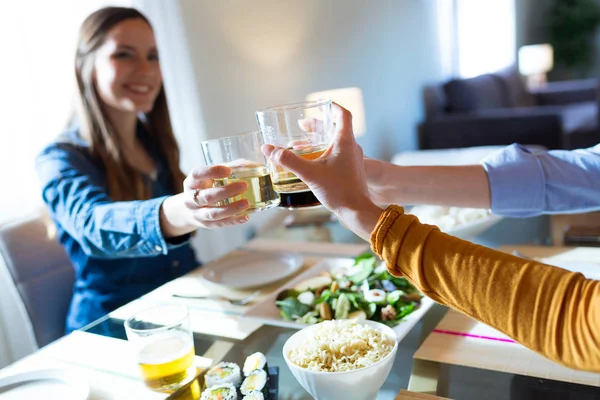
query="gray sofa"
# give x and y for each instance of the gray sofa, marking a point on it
(497, 109)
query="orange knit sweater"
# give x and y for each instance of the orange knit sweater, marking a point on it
(548, 309)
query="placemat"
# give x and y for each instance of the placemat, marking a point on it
(460, 340)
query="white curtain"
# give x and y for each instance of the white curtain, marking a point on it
(476, 36)
(185, 106)
(178, 75)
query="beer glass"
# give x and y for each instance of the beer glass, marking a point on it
(164, 346)
(305, 128)
(243, 155)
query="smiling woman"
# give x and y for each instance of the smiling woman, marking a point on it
(119, 76)
(123, 209)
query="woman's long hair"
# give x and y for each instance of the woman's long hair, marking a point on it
(124, 182)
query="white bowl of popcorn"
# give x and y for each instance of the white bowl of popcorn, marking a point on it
(344, 359)
(465, 223)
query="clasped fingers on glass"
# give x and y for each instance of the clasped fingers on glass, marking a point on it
(307, 129)
(242, 155)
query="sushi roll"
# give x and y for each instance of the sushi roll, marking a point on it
(225, 391)
(255, 361)
(256, 381)
(254, 395)
(223, 373)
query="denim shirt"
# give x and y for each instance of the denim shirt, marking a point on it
(116, 247)
(525, 183)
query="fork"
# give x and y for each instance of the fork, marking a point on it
(235, 302)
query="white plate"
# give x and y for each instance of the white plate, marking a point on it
(250, 270)
(268, 313)
(44, 384)
(434, 215)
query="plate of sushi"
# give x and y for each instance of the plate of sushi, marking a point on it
(255, 380)
(344, 288)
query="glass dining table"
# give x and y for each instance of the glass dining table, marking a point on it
(449, 381)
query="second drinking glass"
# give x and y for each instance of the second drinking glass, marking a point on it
(242, 154)
(306, 129)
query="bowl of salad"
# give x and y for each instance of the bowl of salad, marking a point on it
(337, 289)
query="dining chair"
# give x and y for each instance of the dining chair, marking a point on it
(40, 273)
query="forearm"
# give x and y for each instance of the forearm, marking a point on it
(75, 192)
(460, 186)
(552, 311)
(112, 229)
(175, 217)
(119, 229)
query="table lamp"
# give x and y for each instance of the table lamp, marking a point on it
(534, 62)
(352, 100)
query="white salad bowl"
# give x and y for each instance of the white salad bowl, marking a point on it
(360, 384)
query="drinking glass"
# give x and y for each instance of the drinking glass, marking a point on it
(164, 346)
(242, 154)
(305, 128)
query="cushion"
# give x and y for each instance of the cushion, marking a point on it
(480, 93)
(516, 91)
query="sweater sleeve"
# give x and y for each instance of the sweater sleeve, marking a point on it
(550, 310)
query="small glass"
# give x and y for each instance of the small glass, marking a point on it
(164, 346)
(243, 155)
(305, 128)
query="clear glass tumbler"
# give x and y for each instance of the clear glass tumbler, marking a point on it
(243, 155)
(164, 346)
(305, 128)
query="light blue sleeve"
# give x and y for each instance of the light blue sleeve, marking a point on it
(525, 183)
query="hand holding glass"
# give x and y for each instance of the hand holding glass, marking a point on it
(242, 154)
(306, 129)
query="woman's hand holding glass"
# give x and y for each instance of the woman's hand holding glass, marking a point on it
(197, 207)
(337, 178)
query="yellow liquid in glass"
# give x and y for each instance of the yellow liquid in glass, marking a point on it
(167, 363)
(260, 192)
(286, 182)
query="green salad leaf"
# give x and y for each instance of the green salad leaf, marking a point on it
(343, 307)
(394, 297)
(404, 311)
(365, 268)
(291, 308)
(325, 297)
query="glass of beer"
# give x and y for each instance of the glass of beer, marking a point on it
(305, 128)
(242, 154)
(164, 346)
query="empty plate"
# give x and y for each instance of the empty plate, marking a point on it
(250, 270)
(44, 384)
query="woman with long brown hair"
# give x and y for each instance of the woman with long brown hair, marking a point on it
(123, 209)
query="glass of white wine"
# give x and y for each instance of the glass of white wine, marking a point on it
(305, 128)
(243, 155)
(164, 346)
